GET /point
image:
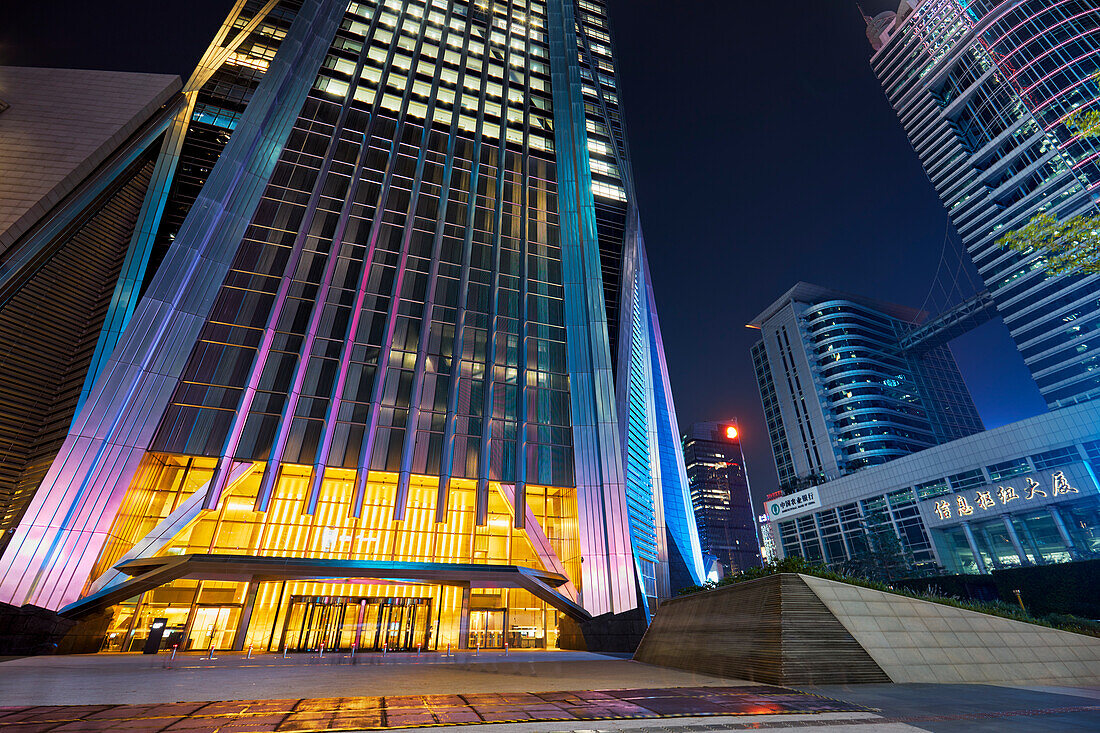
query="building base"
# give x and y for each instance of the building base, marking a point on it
(611, 632)
(31, 630)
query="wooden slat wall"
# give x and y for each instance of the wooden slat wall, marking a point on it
(48, 333)
(771, 630)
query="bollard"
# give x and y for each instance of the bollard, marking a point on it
(353, 653)
(448, 650)
(284, 650)
(477, 648)
(322, 651)
(249, 651)
(210, 656)
(505, 648)
(418, 650)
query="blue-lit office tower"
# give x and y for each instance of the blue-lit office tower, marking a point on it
(841, 391)
(405, 333)
(984, 90)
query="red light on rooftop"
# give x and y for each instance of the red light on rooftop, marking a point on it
(731, 432)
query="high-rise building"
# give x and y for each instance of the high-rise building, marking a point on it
(400, 369)
(77, 153)
(839, 390)
(719, 484)
(988, 93)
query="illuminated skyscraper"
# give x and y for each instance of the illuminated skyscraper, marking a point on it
(990, 93)
(400, 368)
(719, 484)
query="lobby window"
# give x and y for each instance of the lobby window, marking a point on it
(1056, 458)
(967, 480)
(932, 489)
(1008, 469)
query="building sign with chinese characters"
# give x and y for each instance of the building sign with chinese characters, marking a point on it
(974, 503)
(793, 504)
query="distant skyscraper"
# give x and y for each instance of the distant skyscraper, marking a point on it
(719, 485)
(840, 393)
(77, 154)
(985, 91)
(401, 363)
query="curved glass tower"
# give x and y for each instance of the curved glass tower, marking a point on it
(400, 367)
(840, 392)
(988, 92)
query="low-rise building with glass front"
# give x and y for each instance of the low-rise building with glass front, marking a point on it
(1021, 494)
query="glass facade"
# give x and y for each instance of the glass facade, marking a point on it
(988, 93)
(1006, 512)
(389, 329)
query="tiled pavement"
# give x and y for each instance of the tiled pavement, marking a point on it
(361, 713)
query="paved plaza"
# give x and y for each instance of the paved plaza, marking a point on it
(524, 692)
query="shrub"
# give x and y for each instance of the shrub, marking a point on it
(1065, 622)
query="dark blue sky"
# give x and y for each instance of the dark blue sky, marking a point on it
(764, 153)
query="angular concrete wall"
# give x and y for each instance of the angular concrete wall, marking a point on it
(921, 641)
(797, 629)
(773, 630)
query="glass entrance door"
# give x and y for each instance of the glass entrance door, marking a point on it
(213, 626)
(487, 628)
(396, 624)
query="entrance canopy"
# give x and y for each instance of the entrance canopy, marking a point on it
(149, 573)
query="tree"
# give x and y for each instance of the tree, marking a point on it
(1068, 246)
(883, 557)
(1085, 123)
(1082, 122)
(1072, 245)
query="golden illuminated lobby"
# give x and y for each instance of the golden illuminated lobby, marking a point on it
(276, 614)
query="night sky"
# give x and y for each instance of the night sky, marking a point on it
(764, 153)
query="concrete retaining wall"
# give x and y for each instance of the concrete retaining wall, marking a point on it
(797, 629)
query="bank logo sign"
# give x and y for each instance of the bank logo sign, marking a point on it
(793, 504)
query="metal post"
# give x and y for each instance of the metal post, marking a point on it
(353, 653)
(211, 654)
(1063, 531)
(464, 619)
(249, 651)
(1020, 600)
(1015, 540)
(284, 650)
(246, 616)
(974, 548)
